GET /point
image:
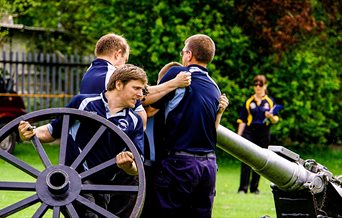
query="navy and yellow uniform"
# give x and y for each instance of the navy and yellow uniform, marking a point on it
(257, 130)
(252, 113)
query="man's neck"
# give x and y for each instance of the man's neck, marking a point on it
(114, 102)
(106, 58)
(197, 63)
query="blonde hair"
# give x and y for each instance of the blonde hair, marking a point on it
(166, 67)
(110, 43)
(202, 47)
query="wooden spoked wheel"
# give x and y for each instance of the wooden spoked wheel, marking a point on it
(59, 187)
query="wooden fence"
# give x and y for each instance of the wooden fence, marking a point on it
(43, 80)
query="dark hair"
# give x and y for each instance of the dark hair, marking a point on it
(260, 78)
(202, 47)
(110, 43)
(125, 74)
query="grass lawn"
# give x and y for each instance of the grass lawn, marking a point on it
(228, 203)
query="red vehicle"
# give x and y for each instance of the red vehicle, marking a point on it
(11, 107)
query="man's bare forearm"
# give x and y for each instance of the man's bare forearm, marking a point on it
(44, 135)
(156, 92)
(183, 79)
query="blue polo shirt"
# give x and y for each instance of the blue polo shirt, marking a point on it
(109, 144)
(96, 79)
(186, 120)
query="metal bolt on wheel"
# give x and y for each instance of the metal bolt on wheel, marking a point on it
(59, 187)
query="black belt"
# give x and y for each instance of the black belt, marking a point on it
(184, 153)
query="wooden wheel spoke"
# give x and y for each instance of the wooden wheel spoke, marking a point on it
(56, 212)
(88, 147)
(98, 168)
(41, 210)
(41, 151)
(20, 205)
(94, 207)
(109, 188)
(71, 211)
(64, 138)
(18, 186)
(19, 164)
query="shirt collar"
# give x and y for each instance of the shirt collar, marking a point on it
(123, 112)
(101, 60)
(198, 66)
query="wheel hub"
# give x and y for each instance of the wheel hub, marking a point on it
(58, 185)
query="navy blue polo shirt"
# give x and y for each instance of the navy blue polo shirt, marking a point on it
(186, 121)
(96, 79)
(109, 144)
(253, 113)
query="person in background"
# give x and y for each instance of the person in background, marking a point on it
(254, 122)
(112, 51)
(184, 184)
(125, 87)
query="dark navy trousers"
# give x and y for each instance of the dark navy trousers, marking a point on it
(184, 185)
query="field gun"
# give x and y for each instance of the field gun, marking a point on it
(301, 188)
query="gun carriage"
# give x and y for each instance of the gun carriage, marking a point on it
(301, 188)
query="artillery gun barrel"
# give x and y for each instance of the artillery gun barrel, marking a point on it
(286, 175)
(301, 188)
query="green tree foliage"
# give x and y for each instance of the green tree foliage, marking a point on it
(297, 44)
(308, 83)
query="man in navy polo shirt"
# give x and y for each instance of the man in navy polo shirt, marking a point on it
(125, 88)
(112, 51)
(185, 128)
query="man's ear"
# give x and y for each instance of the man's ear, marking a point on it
(118, 85)
(118, 54)
(190, 56)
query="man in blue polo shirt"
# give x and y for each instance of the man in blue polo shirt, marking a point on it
(185, 129)
(112, 51)
(125, 88)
